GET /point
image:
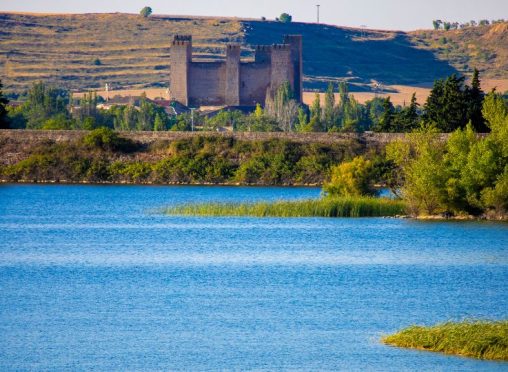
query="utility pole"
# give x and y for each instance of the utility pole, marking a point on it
(317, 6)
(192, 119)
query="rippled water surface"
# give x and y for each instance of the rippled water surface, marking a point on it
(93, 277)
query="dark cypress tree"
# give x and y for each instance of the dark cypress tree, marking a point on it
(386, 121)
(476, 95)
(4, 123)
(447, 104)
(407, 119)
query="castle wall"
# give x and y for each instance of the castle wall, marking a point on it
(231, 82)
(207, 83)
(254, 82)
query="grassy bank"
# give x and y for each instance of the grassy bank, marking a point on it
(476, 339)
(326, 207)
(102, 156)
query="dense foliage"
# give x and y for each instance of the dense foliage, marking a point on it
(466, 174)
(103, 156)
(451, 105)
(354, 178)
(476, 339)
(3, 108)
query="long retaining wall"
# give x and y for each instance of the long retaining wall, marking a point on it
(372, 139)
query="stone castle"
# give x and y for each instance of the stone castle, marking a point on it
(233, 82)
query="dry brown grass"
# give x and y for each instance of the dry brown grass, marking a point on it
(134, 51)
(483, 47)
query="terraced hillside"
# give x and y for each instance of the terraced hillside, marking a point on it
(82, 51)
(132, 51)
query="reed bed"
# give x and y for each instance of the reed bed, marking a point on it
(325, 207)
(476, 339)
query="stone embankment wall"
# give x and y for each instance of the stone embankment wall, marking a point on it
(369, 139)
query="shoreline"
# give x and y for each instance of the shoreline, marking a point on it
(127, 183)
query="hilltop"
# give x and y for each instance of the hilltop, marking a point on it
(85, 51)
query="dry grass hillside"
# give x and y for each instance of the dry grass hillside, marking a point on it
(483, 47)
(85, 51)
(133, 51)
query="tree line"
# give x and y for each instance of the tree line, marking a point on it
(466, 174)
(452, 104)
(446, 25)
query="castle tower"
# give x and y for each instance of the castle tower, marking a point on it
(232, 75)
(181, 57)
(281, 66)
(296, 45)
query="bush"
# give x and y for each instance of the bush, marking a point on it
(107, 139)
(354, 178)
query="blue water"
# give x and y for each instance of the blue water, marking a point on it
(92, 277)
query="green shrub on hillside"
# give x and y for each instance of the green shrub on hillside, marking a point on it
(107, 139)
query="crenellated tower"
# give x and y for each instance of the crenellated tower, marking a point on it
(296, 45)
(281, 67)
(232, 93)
(181, 58)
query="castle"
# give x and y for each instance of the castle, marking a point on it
(233, 82)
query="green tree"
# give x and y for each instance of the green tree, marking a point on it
(258, 112)
(57, 122)
(420, 158)
(283, 108)
(447, 104)
(315, 114)
(44, 102)
(374, 110)
(86, 115)
(146, 12)
(285, 18)
(158, 124)
(329, 111)
(4, 123)
(354, 178)
(407, 119)
(495, 111)
(475, 104)
(437, 24)
(302, 120)
(387, 119)
(146, 115)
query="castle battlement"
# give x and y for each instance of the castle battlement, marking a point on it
(233, 82)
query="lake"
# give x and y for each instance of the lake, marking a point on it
(94, 277)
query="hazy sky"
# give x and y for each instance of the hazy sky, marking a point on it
(385, 14)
